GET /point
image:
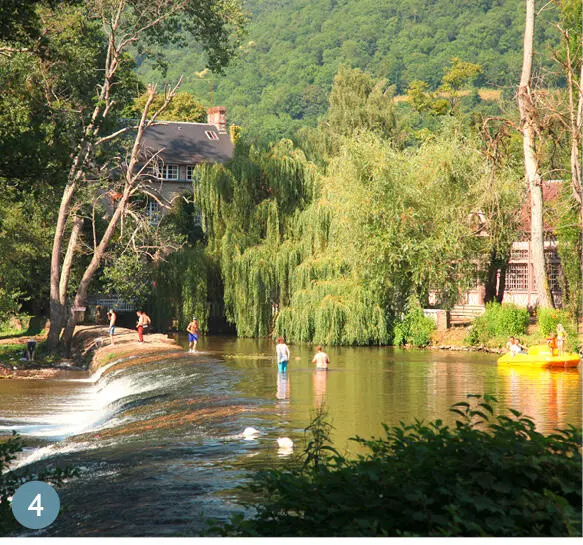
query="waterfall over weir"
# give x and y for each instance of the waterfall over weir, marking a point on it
(97, 404)
(152, 426)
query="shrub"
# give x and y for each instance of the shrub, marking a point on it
(479, 478)
(498, 321)
(547, 320)
(415, 329)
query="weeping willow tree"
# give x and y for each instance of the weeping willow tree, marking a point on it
(332, 253)
(333, 257)
(182, 287)
(247, 208)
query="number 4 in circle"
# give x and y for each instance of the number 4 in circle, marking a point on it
(36, 505)
(41, 511)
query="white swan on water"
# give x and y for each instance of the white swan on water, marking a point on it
(250, 433)
(285, 442)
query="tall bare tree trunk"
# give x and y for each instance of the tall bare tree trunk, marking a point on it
(100, 250)
(528, 125)
(575, 88)
(57, 310)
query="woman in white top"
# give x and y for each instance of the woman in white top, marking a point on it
(321, 359)
(282, 352)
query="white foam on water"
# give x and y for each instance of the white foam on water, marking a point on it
(51, 450)
(95, 408)
(91, 409)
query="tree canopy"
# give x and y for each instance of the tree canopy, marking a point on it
(294, 49)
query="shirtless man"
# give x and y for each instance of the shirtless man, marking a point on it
(112, 318)
(147, 323)
(321, 359)
(193, 332)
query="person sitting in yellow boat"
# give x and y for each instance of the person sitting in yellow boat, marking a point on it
(552, 344)
(519, 348)
(509, 345)
(561, 338)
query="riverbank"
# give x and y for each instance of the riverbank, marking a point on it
(454, 339)
(94, 348)
(91, 349)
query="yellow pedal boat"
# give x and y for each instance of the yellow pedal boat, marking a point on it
(540, 356)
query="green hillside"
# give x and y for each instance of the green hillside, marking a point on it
(295, 47)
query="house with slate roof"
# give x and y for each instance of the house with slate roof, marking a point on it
(176, 148)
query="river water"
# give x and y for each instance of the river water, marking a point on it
(158, 439)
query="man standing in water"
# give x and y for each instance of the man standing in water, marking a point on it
(321, 359)
(282, 352)
(112, 318)
(193, 331)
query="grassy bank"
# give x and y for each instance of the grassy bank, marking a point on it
(492, 330)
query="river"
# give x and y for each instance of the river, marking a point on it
(158, 440)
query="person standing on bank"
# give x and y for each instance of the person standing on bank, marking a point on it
(140, 325)
(147, 323)
(193, 332)
(321, 359)
(282, 352)
(112, 318)
(30, 349)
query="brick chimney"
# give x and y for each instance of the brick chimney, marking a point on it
(217, 115)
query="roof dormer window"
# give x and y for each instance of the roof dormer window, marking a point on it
(211, 135)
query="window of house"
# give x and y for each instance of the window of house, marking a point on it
(154, 212)
(211, 135)
(517, 276)
(519, 255)
(189, 172)
(167, 172)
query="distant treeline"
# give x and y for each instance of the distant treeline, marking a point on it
(294, 48)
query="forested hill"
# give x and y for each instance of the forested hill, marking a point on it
(294, 48)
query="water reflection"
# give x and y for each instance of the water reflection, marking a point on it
(319, 381)
(542, 394)
(282, 386)
(174, 416)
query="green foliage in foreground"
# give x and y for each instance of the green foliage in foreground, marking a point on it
(11, 480)
(485, 477)
(498, 320)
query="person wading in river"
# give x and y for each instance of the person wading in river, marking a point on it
(321, 359)
(193, 331)
(282, 352)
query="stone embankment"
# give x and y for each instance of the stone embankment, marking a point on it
(92, 348)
